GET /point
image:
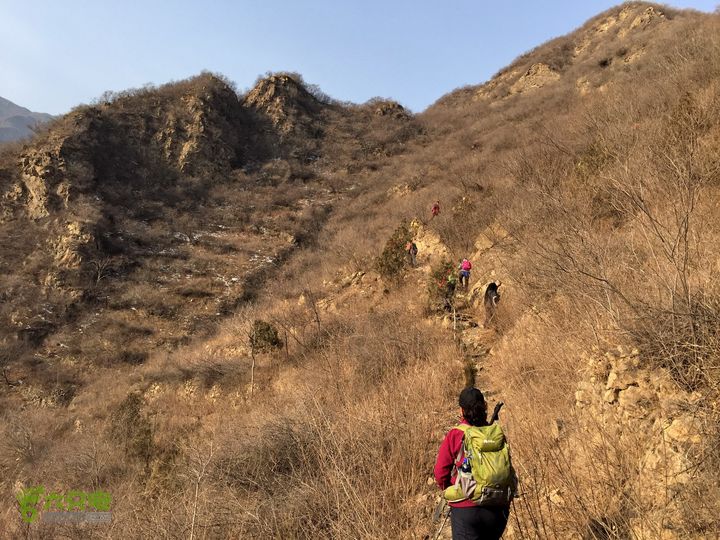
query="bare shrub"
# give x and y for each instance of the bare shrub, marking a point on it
(688, 344)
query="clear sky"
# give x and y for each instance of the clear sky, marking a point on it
(55, 54)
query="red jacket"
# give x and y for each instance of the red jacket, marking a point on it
(446, 461)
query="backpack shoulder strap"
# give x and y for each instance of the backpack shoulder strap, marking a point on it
(461, 451)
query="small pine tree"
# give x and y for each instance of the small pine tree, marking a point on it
(393, 260)
(264, 336)
(131, 428)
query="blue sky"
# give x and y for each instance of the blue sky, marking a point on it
(59, 53)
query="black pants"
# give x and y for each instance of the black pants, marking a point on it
(478, 523)
(489, 314)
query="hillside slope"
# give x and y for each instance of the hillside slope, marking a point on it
(145, 218)
(207, 309)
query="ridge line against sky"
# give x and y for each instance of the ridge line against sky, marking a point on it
(57, 55)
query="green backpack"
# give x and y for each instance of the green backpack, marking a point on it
(485, 475)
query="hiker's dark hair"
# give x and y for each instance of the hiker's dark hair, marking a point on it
(473, 405)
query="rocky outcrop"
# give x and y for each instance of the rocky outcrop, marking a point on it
(629, 19)
(431, 249)
(642, 20)
(285, 102)
(61, 166)
(599, 29)
(202, 132)
(390, 108)
(197, 132)
(583, 86)
(622, 405)
(537, 76)
(492, 89)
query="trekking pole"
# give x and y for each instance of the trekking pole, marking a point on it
(439, 510)
(442, 526)
(517, 519)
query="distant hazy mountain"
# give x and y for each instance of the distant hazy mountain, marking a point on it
(16, 121)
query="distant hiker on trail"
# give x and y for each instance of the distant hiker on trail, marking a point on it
(435, 210)
(491, 300)
(412, 250)
(464, 268)
(473, 468)
(450, 286)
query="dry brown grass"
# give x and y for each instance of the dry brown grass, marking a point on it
(322, 464)
(607, 200)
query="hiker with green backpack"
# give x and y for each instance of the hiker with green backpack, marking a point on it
(473, 468)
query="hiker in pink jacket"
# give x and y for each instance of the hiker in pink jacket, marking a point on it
(465, 267)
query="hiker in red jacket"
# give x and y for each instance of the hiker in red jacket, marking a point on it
(468, 521)
(435, 210)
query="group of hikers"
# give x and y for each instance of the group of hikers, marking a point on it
(460, 274)
(473, 466)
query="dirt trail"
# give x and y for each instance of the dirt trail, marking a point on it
(366, 288)
(476, 343)
(467, 321)
(466, 325)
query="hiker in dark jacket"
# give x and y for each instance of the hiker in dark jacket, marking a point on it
(468, 521)
(412, 250)
(491, 300)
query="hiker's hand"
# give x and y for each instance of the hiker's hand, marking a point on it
(496, 412)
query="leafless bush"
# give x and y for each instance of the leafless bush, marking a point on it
(686, 344)
(131, 429)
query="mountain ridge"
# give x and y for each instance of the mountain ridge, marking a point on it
(17, 122)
